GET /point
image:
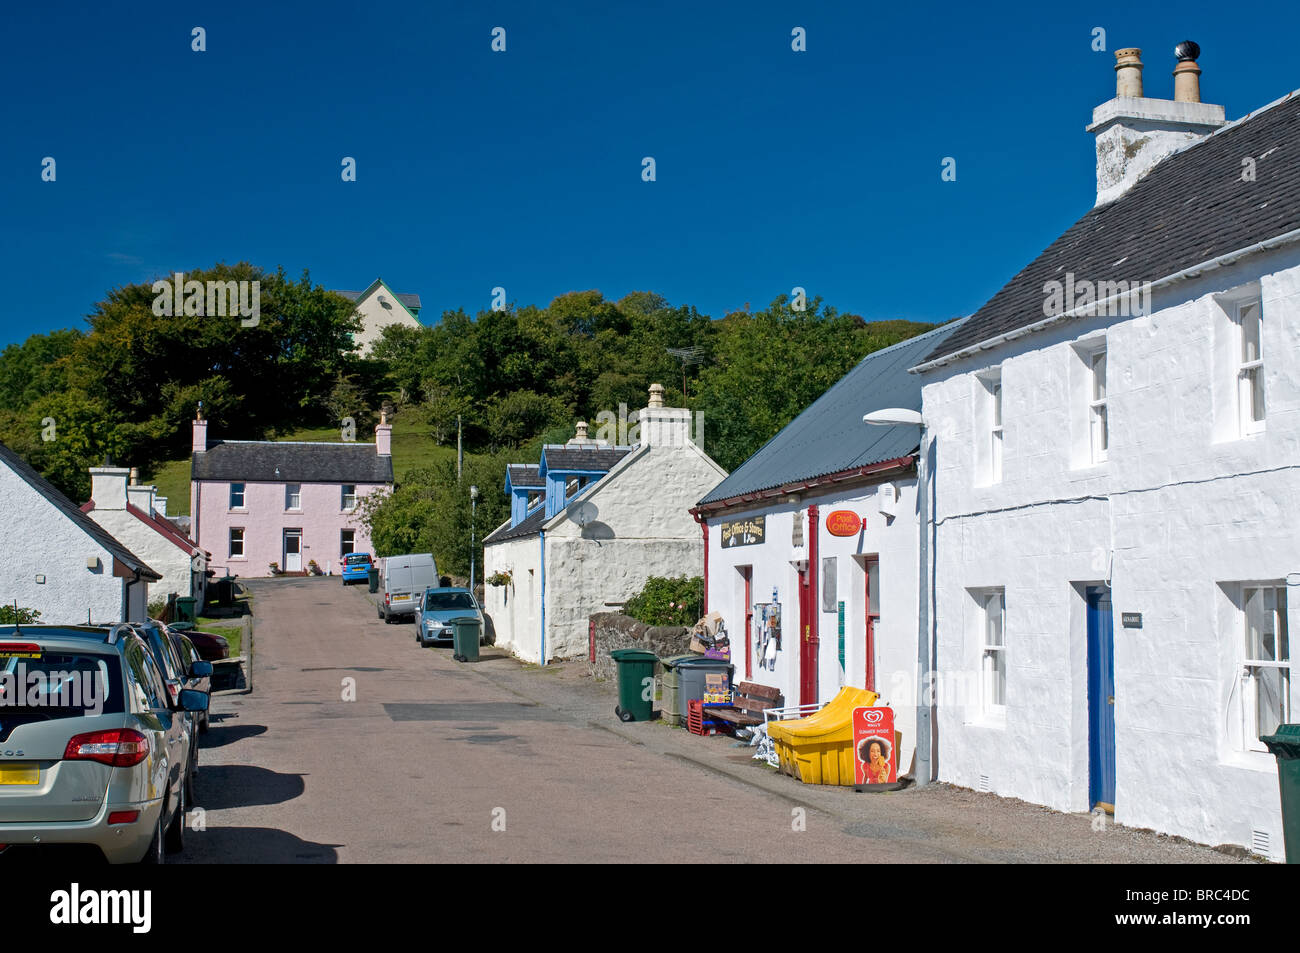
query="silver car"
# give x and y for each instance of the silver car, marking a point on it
(93, 750)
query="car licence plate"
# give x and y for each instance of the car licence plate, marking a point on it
(20, 774)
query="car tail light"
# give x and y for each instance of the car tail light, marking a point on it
(118, 747)
(123, 817)
(387, 598)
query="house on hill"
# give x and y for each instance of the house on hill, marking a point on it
(57, 560)
(1116, 434)
(589, 523)
(380, 306)
(257, 502)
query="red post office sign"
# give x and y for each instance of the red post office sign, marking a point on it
(843, 523)
(875, 755)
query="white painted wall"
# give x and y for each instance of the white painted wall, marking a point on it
(158, 552)
(1180, 508)
(44, 541)
(375, 317)
(641, 527)
(894, 542)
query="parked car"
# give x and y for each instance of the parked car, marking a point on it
(157, 636)
(212, 648)
(95, 756)
(403, 580)
(440, 609)
(356, 568)
(198, 673)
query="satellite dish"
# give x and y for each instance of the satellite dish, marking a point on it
(581, 512)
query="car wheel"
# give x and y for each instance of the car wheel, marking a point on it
(203, 724)
(155, 854)
(174, 840)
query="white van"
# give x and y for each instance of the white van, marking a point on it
(402, 580)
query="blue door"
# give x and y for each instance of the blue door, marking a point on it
(1101, 701)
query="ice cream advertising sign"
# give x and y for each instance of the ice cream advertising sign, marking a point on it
(875, 760)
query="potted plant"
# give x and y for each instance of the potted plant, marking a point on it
(314, 568)
(500, 578)
(275, 569)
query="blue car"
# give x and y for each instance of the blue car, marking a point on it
(356, 567)
(438, 612)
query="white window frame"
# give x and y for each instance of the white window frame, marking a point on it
(292, 499)
(1098, 410)
(993, 606)
(349, 499)
(988, 427)
(243, 489)
(231, 541)
(1250, 370)
(1252, 668)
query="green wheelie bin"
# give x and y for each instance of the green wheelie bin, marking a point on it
(1285, 745)
(372, 578)
(636, 683)
(464, 638)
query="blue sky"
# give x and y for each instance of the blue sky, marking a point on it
(523, 169)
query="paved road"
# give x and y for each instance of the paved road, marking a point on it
(499, 762)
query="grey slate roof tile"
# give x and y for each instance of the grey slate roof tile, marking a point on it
(256, 461)
(561, 457)
(525, 475)
(1189, 208)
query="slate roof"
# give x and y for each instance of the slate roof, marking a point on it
(529, 526)
(565, 457)
(1191, 207)
(69, 509)
(411, 301)
(829, 436)
(525, 475)
(256, 461)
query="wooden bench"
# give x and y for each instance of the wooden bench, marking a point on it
(752, 700)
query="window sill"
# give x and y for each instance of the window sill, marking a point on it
(994, 720)
(237, 559)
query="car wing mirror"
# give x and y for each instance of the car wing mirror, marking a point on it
(201, 669)
(192, 700)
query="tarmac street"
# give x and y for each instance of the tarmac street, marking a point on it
(359, 746)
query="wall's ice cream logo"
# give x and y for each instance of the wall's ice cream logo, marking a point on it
(220, 299)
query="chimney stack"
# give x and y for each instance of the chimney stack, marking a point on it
(141, 497)
(200, 442)
(108, 487)
(663, 426)
(1135, 132)
(384, 436)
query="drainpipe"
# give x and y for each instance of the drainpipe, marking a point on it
(815, 604)
(704, 528)
(924, 655)
(541, 535)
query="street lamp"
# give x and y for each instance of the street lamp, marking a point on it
(473, 506)
(925, 648)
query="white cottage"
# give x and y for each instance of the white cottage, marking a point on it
(57, 560)
(1117, 444)
(822, 523)
(589, 524)
(130, 513)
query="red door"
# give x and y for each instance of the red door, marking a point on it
(747, 572)
(807, 647)
(873, 616)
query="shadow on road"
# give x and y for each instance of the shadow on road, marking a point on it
(219, 736)
(244, 785)
(253, 845)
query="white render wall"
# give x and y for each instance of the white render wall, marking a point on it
(640, 527)
(894, 542)
(1181, 508)
(375, 317)
(44, 541)
(158, 552)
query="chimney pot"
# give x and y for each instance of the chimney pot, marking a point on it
(581, 431)
(1128, 73)
(656, 395)
(1187, 75)
(135, 476)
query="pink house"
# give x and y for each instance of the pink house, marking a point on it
(257, 502)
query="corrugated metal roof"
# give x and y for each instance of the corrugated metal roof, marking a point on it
(45, 488)
(830, 437)
(1190, 208)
